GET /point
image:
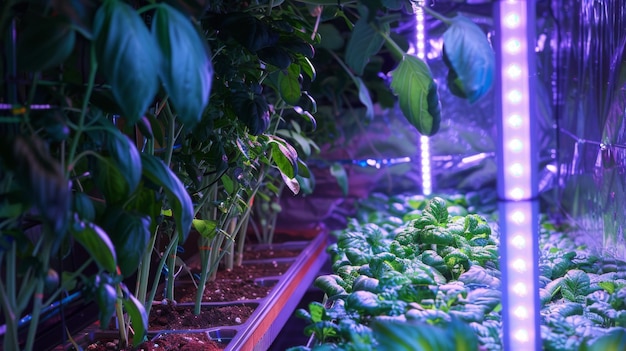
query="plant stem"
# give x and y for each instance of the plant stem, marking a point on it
(119, 312)
(143, 274)
(447, 21)
(158, 271)
(171, 265)
(396, 51)
(85, 105)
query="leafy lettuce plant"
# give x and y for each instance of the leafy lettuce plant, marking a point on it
(423, 271)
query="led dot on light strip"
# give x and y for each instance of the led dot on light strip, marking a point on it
(520, 289)
(512, 20)
(519, 265)
(519, 241)
(517, 193)
(516, 170)
(522, 335)
(513, 71)
(521, 312)
(518, 217)
(516, 145)
(513, 46)
(515, 96)
(515, 121)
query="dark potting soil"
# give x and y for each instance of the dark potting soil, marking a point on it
(229, 285)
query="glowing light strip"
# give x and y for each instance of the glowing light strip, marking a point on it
(517, 179)
(427, 185)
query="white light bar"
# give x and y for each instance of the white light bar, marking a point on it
(517, 186)
(420, 40)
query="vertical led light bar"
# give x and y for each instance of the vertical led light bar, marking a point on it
(427, 185)
(517, 185)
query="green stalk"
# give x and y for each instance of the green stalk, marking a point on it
(119, 312)
(447, 21)
(7, 295)
(143, 274)
(37, 300)
(158, 271)
(85, 105)
(171, 268)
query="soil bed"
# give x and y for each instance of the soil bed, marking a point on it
(181, 317)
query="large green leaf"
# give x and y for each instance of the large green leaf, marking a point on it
(110, 181)
(469, 57)
(158, 173)
(285, 157)
(186, 70)
(97, 243)
(128, 56)
(45, 43)
(288, 84)
(130, 234)
(138, 318)
(364, 42)
(126, 157)
(412, 82)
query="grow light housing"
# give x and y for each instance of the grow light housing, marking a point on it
(517, 184)
(420, 52)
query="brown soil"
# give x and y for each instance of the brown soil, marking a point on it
(263, 254)
(168, 342)
(230, 285)
(172, 317)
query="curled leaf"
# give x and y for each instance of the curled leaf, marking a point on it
(412, 82)
(470, 58)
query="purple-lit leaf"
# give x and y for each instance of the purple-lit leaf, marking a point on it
(364, 42)
(97, 243)
(288, 84)
(158, 173)
(470, 58)
(186, 69)
(412, 82)
(128, 56)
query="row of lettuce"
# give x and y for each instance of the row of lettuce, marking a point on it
(412, 273)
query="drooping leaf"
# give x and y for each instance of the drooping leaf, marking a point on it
(128, 57)
(138, 318)
(275, 56)
(288, 84)
(158, 173)
(110, 181)
(106, 298)
(186, 69)
(97, 243)
(126, 157)
(469, 57)
(206, 227)
(285, 157)
(45, 42)
(291, 183)
(412, 82)
(130, 233)
(364, 42)
(365, 98)
(337, 171)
